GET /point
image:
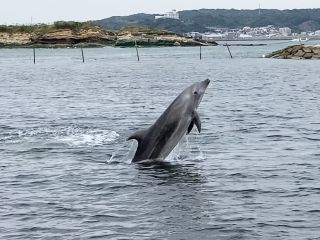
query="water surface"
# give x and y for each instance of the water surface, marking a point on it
(252, 173)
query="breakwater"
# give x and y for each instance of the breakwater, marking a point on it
(297, 52)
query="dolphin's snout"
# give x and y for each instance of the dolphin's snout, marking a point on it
(207, 81)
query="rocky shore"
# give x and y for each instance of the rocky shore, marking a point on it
(131, 36)
(66, 34)
(297, 52)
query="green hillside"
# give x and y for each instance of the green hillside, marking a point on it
(199, 20)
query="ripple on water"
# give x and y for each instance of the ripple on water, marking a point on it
(252, 173)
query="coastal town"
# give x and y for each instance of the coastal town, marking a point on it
(269, 32)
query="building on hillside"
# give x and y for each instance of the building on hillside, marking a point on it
(213, 36)
(173, 14)
(245, 36)
(285, 31)
(195, 35)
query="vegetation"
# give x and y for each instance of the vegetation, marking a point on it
(138, 31)
(200, 20)
(44, 28)
(75, 27)
(21, 28)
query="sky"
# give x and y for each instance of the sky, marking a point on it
(48, 11)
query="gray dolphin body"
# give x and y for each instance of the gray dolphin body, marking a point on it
(156, 142)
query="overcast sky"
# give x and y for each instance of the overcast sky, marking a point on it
(46, 11)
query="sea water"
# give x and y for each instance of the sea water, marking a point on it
(252, 173)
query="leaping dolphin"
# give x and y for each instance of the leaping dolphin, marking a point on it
(156, 142)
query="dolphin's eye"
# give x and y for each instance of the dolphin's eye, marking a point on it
(195, 92)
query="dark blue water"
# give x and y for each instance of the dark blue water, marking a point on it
(252, 173)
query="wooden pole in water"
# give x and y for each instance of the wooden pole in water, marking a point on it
(82, 55)
(34, 55)
(229, 50)
(135, 43)
(200, 53)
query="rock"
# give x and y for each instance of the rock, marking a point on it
(316, 50)
(10, 39)
(143, 37)
(308, 55)
(307, 50)
(74, 34)
(300, 53)
(67, 36)
(297, 52)
(296, 48)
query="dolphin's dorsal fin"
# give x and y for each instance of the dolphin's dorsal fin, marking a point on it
(138, 135)
(195, 121)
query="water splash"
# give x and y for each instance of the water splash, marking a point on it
(71, 135)
(89, 137)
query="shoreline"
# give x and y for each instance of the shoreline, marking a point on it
(84, 35)
(91, 45)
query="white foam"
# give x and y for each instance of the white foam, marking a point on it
(71, 135)
(91, 137)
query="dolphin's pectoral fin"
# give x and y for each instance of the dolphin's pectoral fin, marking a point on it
(138, 135)
(190, 127)
(197, 121)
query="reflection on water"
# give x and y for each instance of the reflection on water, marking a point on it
(165, 172)
(178, 197)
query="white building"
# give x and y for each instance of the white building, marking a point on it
(194, 34)
(285, 31)
(173, 14)
(213, 36)
(245, 36)
(246, 29)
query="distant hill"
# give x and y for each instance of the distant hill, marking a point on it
(199, 20)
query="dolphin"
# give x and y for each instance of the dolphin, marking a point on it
(156, 142)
